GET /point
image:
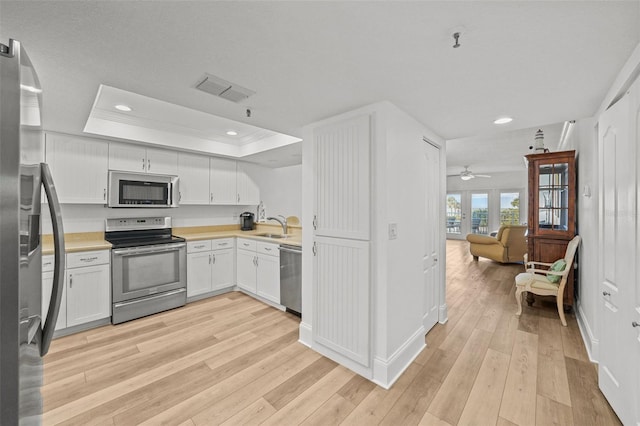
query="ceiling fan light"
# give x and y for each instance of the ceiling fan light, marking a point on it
(465, 177)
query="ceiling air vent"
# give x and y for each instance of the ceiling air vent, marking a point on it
(223, 88)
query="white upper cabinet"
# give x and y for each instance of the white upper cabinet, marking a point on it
(193, 171)
(222, 181)
(136, 158)
(248, 190)
(162, 161)
(79, 168)
(342, 179)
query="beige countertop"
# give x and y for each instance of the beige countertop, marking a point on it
(87, 241)
(196, 233)
(82, 241)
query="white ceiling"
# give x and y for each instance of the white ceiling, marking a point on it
(539, 62)
(499, 152)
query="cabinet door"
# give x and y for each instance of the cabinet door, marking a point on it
(222, 181)
(47, 287)
(162, 161)
(79, 168)
(341, 295)
(131, 158)
(246, 270)
(193, 171)
(248, 191)
(222, 271)
(88, 294)
(341, 156)
(199, 273)
(268, 277)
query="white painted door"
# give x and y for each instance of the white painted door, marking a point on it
(88, 294)
(246, 270)
(634, 320)
(342, 160)
(131, 158)
(617, 153)
(341, 298)
(268, 285)
(79, 168)
(199, 273)
(162, 161)
(222, 181)
(222, 271)
(193, 171)
(248, 190)
(431, 265)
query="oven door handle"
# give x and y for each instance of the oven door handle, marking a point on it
(146, 250)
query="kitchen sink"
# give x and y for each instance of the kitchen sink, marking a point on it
(276, 236)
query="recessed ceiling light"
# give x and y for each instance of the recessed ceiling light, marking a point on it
(121, 107)
(503, 120)
(232, 133)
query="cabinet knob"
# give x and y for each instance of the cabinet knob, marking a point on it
(70, 281)
(635, 324)
(149, 164)
(606, 293)
(104, 194)
(143, 164)
(214, 258)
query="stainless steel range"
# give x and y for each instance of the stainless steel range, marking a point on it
(148, 267)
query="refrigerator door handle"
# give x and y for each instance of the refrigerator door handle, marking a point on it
(59, 258)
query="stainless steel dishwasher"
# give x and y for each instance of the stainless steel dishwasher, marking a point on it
(291, 278)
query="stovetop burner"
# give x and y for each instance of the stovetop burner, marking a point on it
(136, 232)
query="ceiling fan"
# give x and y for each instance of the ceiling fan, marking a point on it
(467, 174)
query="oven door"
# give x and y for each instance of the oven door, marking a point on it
(142, 271)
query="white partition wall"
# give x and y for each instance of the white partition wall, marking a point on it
(368, 187)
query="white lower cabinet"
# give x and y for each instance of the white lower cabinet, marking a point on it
(47, 287)
(258, 269)
(209, 266)
(246, 269)
(88, 287)
(86, 292)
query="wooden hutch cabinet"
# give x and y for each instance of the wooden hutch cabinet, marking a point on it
(552, 210)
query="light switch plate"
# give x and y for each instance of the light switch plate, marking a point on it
(393, 231)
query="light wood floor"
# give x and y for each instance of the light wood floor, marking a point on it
(231, 360)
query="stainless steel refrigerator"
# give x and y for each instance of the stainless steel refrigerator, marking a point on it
(25, 333)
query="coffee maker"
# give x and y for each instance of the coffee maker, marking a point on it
(246, 221)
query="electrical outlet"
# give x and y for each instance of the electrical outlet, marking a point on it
(393, 231)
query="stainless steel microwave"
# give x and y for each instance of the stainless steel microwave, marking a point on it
(129, 189)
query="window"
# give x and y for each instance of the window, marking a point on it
(509, 208)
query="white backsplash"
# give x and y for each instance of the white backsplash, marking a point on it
(90, 218)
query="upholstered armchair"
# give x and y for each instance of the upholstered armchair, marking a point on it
(547, 279)
(508, 246)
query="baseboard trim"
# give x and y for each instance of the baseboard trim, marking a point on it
(386, 372)
(305, 334)
(590, 342)
(443, 314)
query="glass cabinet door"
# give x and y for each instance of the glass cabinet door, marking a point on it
(553, 197)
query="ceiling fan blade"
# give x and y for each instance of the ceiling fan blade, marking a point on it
(483, 176)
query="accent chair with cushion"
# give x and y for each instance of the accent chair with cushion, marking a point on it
(508, 246)
(547, 282)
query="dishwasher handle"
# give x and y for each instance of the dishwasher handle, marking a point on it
(290, 249)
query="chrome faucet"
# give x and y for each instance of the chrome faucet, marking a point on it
(282, 222)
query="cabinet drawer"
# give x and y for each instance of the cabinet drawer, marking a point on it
(246, 244)
(197, 246)
(222, 243)
(267, 248)
(47, 263)
(87, 258)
